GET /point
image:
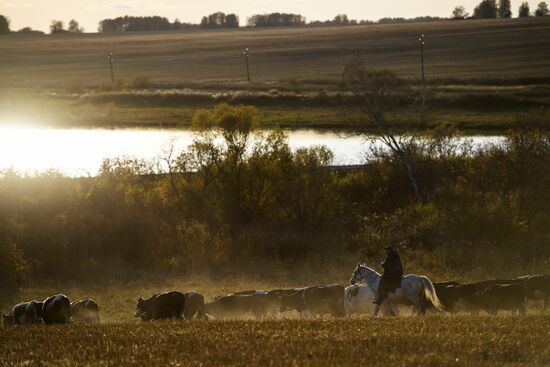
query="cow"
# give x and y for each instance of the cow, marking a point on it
(56, 310)
(194, 306)
(86, 310)
(238, 305)
(165, 305)
(504, 297)
(454, 297)
(317, 300)
(24, 313)
(537, 287)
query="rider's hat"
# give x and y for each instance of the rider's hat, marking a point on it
(389, 248)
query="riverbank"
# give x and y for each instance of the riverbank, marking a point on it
(472, 109)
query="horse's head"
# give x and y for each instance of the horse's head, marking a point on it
(356, 276)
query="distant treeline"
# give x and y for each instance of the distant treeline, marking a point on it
(486, 9)
(139, 24)
(276, 20)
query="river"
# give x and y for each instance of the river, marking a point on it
(80, 152)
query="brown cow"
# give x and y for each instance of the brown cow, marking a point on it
(455, 297)
(56, 310)
(504, 297)
(317, 300)
(161, 306)
(239, 305)
(537, 287)
(194, 306)
(86, 310)
(24, 313)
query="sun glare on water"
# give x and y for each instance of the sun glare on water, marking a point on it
(74, 152)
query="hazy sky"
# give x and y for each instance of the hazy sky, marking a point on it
(39, 13)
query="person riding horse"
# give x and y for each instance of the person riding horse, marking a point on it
(391, 279)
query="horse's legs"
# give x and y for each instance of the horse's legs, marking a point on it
(376, 309)
(389, 308)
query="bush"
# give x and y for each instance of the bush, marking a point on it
(13, 269)
(140, 82)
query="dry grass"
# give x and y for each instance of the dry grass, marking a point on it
(408, 341)
(516, 48)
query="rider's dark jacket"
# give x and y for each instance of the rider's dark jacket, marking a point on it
(393, 270)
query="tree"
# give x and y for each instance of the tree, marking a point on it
(542, 10)
(377, 89)
(460, 13)
(231, 21)
(74, 27)
(341, 19)
(487, 9)
(4, 25)
(524, 10)
(57, 27)
(504, 9)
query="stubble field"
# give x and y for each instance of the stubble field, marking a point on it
(406, 341)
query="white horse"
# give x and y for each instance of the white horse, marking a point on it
(358, 300)
(416, 289)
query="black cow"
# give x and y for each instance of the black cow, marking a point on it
(86, 310)
(238, 305)
(56, 310)
(161, 306)
(458, 296)
(194, 306)
(537, 287)
(24, 313)
(504, 297)
(317, 300)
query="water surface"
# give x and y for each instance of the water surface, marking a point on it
(80, 152)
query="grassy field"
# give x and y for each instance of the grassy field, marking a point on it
(410, 341)
(484, 75)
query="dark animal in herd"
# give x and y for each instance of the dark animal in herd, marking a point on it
(509, 297)
(537, 287)
(494, 295)
(318, 300)
(24, 313)
(237, 305)
(86, 310)
(54, 310)
(173, 304)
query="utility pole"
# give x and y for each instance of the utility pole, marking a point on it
(245, 53)
(421, 40)
(110, 57)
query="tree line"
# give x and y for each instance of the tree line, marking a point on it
(489, 9)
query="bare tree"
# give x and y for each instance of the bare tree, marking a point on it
(377, 91)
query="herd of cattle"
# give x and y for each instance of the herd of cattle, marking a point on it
(335, 300)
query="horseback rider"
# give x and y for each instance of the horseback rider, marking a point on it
(391, 279)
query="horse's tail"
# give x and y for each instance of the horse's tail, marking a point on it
(430, 295)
